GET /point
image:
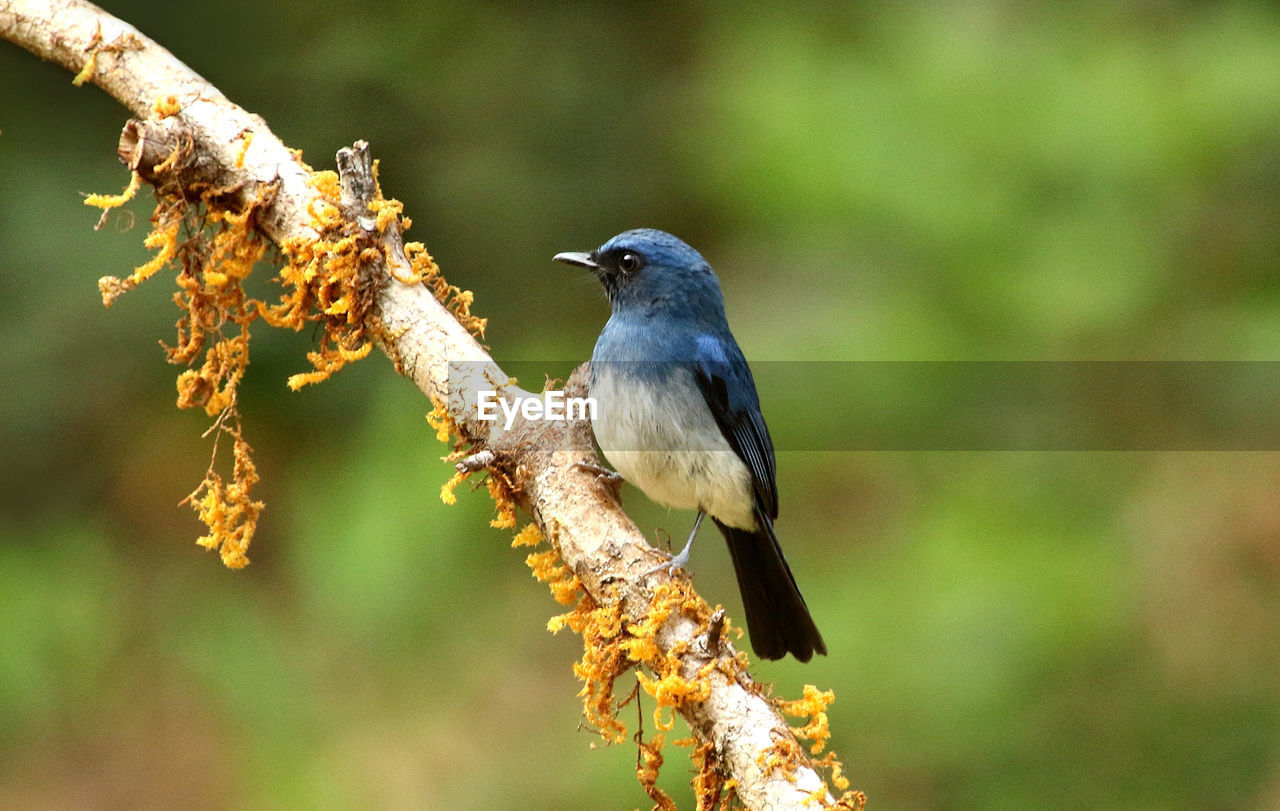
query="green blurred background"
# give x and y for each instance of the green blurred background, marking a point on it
(984, 180)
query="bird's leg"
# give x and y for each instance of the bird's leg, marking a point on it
(682, 558)
(610, 478)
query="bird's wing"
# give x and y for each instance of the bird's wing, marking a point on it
(730, 392)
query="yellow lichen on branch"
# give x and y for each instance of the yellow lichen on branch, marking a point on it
(649, 761)
(442, 421)
(446, 491)
(814, 707)
(530, 535)
(163, 239)
(388, 212)
(603, 662)
(505, 501)
(246, 139)
(325, 280)
(455, 299)
(218, 255)
(120, 44)
(109, 201)
(709, 784)
(612, 645)
(227, 508)
(213, 386)
(326, 362)
(166, 106)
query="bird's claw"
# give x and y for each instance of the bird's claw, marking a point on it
(672, 566)
(609, 478)
(678, 560)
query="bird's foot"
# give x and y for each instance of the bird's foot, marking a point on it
(674, 565)
(678, 560)
(609, 478)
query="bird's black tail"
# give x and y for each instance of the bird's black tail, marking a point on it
(778, 620)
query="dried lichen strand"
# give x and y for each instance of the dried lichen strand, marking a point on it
(649, 761)
(219, 252)
(227, 508)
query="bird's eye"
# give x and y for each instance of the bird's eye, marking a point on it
(630, 262)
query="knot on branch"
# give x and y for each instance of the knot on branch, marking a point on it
(358, 183)
(162, 151)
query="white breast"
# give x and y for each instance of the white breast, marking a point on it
(675, 454)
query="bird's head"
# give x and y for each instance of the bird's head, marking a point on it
(647, 269)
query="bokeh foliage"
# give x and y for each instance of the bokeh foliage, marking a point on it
(918, 181)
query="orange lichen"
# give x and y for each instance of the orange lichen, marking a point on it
(446, 490)
(122, 43)
(709, 785)
(326, 215)
(648, 763)
(163, 239)
(226, 508)
(566, 590)
(215, 246)
(612, 645)
(529, 536)
(565, 586)
(91, 61)
(602, 662)
(784, 755)
(833, 765)
(850, 800)
(812, 705)
(326, 280)
(213, 386)
(504, 501)
(86, 72)
(246, 138)
(108, 201)
(601, 665)
(441, 420)
(325, 283)
(457, 300)
(166, 106)
(673, 691)
(546, 565)
(388, 212)
(327, 361)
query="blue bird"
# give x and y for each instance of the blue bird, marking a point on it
(678, 416)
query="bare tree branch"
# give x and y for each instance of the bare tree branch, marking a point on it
(227, 148)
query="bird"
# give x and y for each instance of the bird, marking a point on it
(678, 416)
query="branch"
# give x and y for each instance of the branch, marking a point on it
(189, 133)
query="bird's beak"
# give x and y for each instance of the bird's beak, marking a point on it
(582, 260)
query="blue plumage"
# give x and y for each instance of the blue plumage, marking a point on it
(679, 418)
